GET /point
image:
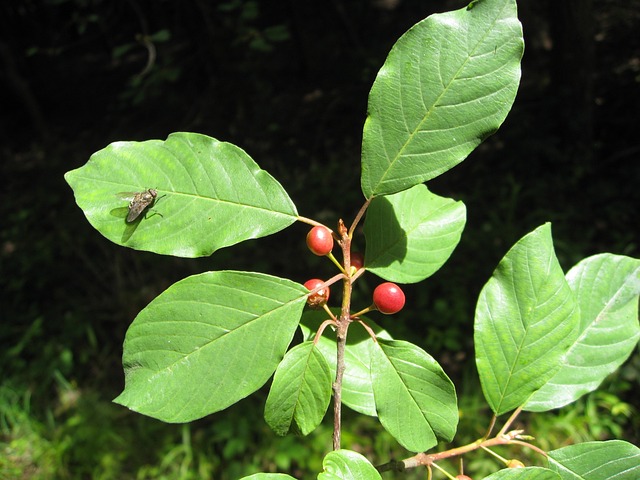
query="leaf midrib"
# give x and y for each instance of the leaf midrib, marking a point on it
(433, 106)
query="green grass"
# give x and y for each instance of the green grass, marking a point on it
(79, 434)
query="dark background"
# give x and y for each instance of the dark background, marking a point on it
(288, 82)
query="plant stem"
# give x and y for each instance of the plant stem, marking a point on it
(359, 217)
(336, 262)
(363, 311)
(327, 283)
(430, 459)
(371, 333)
(341, 333)
(341, 340)
(512, 418)
(312, 222)
(323, 325)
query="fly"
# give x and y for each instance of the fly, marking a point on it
(139, 201)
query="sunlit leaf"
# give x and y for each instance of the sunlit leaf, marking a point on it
(607, 288)
(411, 234)
(357, 392)
(207, 342)
(528, 473)
(211, 194)
(415, 400)
(300, 391)
(526, 321)
(347, 465)
(447, 84)
(611, 460)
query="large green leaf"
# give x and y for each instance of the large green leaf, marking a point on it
(347, 465)
(607, 288)
(207, 342)
(411, 234)
(526, 320)
(211, 194)
(300, 391)
(415, 400)
(447, 84)
(612, 460)
(528, 473)
(357, 392)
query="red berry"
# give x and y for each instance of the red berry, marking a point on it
(463, 477)
(319, 298)
(357, 260)
(388, 298)
(319, 240)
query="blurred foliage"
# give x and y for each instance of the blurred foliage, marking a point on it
(287, 82)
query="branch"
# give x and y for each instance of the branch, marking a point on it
(424, 459)
(341, 333)
(359, 217)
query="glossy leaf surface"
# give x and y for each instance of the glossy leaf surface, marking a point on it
(447, 84)
(207, 342)
(357, 391)
(611, 460)
(300, 391)
(211, 194)
(411, 234)
(607, 288)
(526, 320)
(347, 465)
(527, 473)
(415, 400)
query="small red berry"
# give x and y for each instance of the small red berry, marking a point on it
(388, 298)
(319, 240)
(513, 463)
(463, 477)
(319, 298)
(357, 260)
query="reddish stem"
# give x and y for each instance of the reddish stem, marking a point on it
(323, 325)
(359, 216)
(424, 459)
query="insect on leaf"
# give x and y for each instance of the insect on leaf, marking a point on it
(138, 202)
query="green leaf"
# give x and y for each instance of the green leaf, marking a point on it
(411, 234)
(528, 473)
(300, 392)
(611, 460)
(357, 391)
(347, 465)
(415, 400)
(211, 194)
(607, 288)
(526, 320)
(447, 84)
(207, 342)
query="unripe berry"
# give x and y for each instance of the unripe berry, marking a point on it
(357, 261)
(388, 298)
(319, 240)
(318, 299)
(513, 463)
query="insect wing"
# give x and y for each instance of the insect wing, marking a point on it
(139, 202)
(128, 196)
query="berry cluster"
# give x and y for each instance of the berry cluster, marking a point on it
(388, 298)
